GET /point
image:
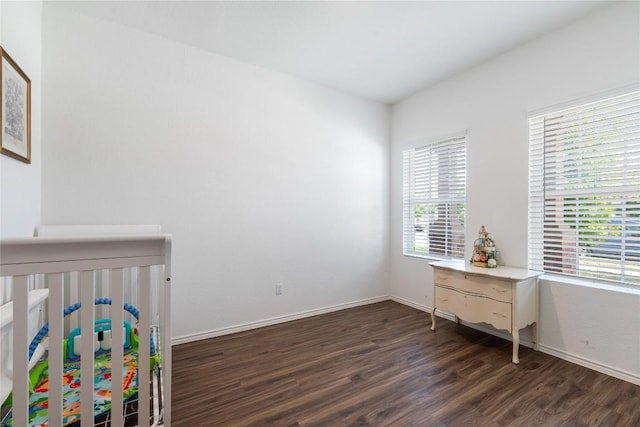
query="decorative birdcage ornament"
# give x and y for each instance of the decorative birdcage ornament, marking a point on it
(484, 250)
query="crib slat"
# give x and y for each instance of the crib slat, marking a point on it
(20, 350)
(166, 338)
(117, 341)
(56, 297)
(144, 291)
(87, 295)
(74, 296)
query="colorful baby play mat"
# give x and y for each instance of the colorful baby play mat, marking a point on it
(39, 399)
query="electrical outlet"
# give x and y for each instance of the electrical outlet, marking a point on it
(278, 288)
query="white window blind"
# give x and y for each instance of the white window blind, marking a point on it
(584, 190)
(434, 193)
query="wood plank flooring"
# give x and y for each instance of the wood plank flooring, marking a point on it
(380, 365)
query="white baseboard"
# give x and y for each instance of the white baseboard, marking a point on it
(273, 321)
(415, 305)
(596, 366)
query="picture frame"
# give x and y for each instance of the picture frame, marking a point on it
(15, 95)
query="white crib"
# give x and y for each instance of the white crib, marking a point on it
(37, 275)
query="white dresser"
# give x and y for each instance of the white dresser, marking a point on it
(504, 297)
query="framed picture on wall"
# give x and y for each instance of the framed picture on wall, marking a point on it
(15, 138)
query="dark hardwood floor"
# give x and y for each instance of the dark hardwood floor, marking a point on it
(380, 365)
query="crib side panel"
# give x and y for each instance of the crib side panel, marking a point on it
(117, 269)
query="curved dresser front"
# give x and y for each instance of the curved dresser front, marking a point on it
(504, 297)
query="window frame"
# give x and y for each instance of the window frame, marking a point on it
(583, 208)
(434, 178)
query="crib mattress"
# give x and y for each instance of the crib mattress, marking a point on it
(38, 401)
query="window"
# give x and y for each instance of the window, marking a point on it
(584, 190)
(434, 199)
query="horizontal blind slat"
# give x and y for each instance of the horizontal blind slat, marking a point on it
(584, 198)
(434, 187)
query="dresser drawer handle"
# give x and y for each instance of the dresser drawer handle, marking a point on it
(499, 315)
(501, 290)
(443, 299)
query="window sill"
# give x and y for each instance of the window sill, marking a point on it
(430, 257)
(622, 288)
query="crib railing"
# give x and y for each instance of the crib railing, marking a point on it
(51, 260)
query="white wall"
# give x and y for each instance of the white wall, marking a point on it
(260, 177)
(600, 53)
(20, 183)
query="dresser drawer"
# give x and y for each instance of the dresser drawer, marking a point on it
(504, 297)
(474, 308)
(497, 289)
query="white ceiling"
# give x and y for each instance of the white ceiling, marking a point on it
(380, 50)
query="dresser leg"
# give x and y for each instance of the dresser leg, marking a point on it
(433, 319)
(536, 336)
(516, 346)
